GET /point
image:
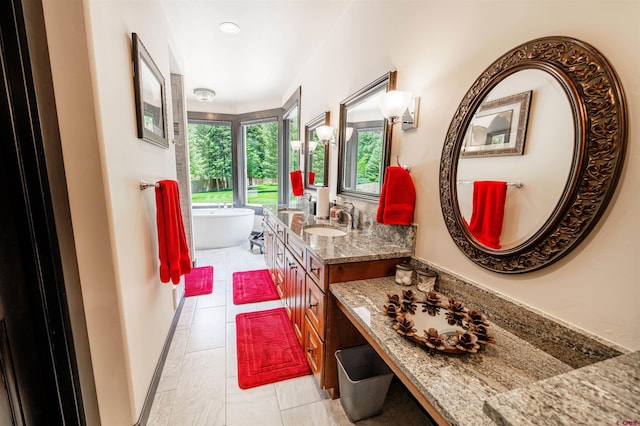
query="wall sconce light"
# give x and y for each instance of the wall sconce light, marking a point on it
(325, 133)
(312, 145)
(295, 145)
(204, 95)
(398, 106)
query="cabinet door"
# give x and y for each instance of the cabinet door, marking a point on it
(290, 266)
(269, 250)
(295, 289)
(314, 349)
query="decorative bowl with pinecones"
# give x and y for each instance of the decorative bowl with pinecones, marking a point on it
(438, 324)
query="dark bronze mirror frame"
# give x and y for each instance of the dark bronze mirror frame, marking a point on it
(309, 128)
(600, 121)
(389, 81)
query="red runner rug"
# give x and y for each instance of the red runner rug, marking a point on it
(199, 281)
(268, 349)
(253, 286)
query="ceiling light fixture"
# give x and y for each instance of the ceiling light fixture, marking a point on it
(203, 94)
(229, 27)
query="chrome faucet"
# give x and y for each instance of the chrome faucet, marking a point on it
(347, 209)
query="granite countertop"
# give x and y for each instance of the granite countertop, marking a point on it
(371, 243)
(607, 392)
(456, 385)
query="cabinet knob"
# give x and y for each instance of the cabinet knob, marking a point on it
(293, 265)
(311, 305)
(315, 269)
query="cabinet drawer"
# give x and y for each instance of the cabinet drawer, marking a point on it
(316, 270)
(314, 307)
(297, 248)
(314, 349)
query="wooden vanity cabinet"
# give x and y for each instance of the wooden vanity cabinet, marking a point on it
(325, 328)
(303, 279)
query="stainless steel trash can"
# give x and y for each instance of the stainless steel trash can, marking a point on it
(364, 380)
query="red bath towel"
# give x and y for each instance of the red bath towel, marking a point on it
(296, 183)
(312, 177)
(172, 243)
(488, 212)
(397, 199)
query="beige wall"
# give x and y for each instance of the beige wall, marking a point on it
(128, 310)
(438, 49)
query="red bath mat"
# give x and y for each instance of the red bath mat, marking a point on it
(253, 286)
(268, 349)
(199, 281)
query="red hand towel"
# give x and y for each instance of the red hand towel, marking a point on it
(397, 198)
(488, 212)
(312, 177)
(296, 183)
(172, 243)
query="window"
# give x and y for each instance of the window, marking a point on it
(261, 162)
(211, 162)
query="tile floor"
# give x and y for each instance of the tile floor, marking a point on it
(199, 383)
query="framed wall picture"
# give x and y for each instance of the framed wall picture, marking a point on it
(498, 128)
(150, 96)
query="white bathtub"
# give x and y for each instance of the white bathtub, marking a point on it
(220, 227)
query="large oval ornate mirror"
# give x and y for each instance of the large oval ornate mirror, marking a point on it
(316, 153)
(533, 154)
(365, 141)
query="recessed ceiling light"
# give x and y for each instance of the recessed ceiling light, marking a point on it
(204, 95)
(229, 28)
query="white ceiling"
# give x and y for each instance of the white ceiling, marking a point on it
(258, 65)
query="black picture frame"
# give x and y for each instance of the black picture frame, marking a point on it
(150, 94)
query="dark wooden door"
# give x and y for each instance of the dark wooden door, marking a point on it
(39, 372)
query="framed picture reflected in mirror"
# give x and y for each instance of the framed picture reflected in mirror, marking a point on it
(498, 128)
(149, 87)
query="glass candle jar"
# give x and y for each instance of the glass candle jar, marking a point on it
(426, 280)
(404, 274)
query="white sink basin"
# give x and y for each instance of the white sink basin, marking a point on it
(325, 231)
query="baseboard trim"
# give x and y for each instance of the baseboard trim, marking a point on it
(148, 401)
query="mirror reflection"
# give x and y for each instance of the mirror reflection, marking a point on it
(316, 154)
(292, 145)
(569, 166)
(536, 173)
(364, 141)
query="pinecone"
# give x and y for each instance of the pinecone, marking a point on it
(466, 342)
(433, 299)
(391, 310)
(395, 299)
(408, 301)
(432, 304)
(456, 312)
(404, 326)
(482, 334)
(476, 318)
(434, 340)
